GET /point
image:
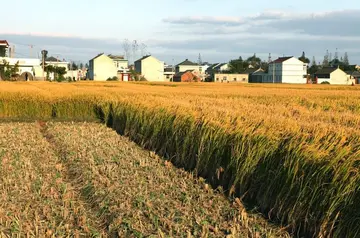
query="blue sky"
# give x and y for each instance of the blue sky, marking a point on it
(176, 30)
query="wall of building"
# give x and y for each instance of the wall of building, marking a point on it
(152, 69)
(121, 64)
(104, 68)
(231, 78)
(338, 77)
(293, 71)
(183, 68)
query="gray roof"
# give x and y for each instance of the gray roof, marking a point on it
(52, 59)
(326, 70)
(187, 62)
(219, 66)
(142, 58)
(116, 57)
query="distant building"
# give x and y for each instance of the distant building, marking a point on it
(231, 78)
(187, 76)
(187, 65)
(333, 75)
(150, 68)
(169, 73)
(56, 62)
(120, 63)
(101, 68)
(288, 70)
(4, 45)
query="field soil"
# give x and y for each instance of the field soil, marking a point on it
(84, 180)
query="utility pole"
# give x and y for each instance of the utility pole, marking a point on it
(273, 71)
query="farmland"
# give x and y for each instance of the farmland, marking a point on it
(291, 151)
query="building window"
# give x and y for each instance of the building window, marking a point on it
(235, 79)
(243, 79)
(217, 79)
(224, 78)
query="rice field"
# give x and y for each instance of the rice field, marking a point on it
(84, 180)
(290, 151)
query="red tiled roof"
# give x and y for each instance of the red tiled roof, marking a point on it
(281, 59)
(2, 42)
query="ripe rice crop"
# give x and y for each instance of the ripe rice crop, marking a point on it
(291, 150)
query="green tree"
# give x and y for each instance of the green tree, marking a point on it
(303, 58)
(74, 66)
(314, 67)
(81, 66)
(238, 65)
(346, 59)
(326, 59)
(254, 61)
(87, 65)
(8, 71)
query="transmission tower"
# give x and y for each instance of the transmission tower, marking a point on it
(199, 60)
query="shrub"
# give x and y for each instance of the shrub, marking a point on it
(325, 82)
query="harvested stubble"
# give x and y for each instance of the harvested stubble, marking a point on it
(291, 150)
(141, 195)
(37, 199)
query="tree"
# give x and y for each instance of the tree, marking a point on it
(44, 54)
(87, 65)
(254, 61)
(314, 67)
(81, 66)
(238, 65)
(8, 71)
(74, 66)
(143, 48)
(346, 59)
(326, 59)
(304, 59)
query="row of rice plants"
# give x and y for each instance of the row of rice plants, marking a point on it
(289, 178)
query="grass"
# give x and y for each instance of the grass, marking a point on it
(83, 180)
(292, 151)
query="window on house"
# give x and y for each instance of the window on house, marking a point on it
(217, 79)
(243, 79)
(235, 79)
(224, 78)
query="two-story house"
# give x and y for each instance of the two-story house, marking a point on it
(287, 70)
(101, 68)
(150, 68)
(121, 64)
(187, 65)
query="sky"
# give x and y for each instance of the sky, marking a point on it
(174, 31)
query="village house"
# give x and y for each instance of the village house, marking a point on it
(282, 70)
(26, 66)
(101, 68)
(121, 64)
(187, 65)
(231, 78)
(169, 73)
(150, 68)
(333, 75)
(187, 76)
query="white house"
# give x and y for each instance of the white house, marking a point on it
(121, 64)
(288, 70)
(30, 66)
(150, 68)
(333, 75)
(101, 68)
